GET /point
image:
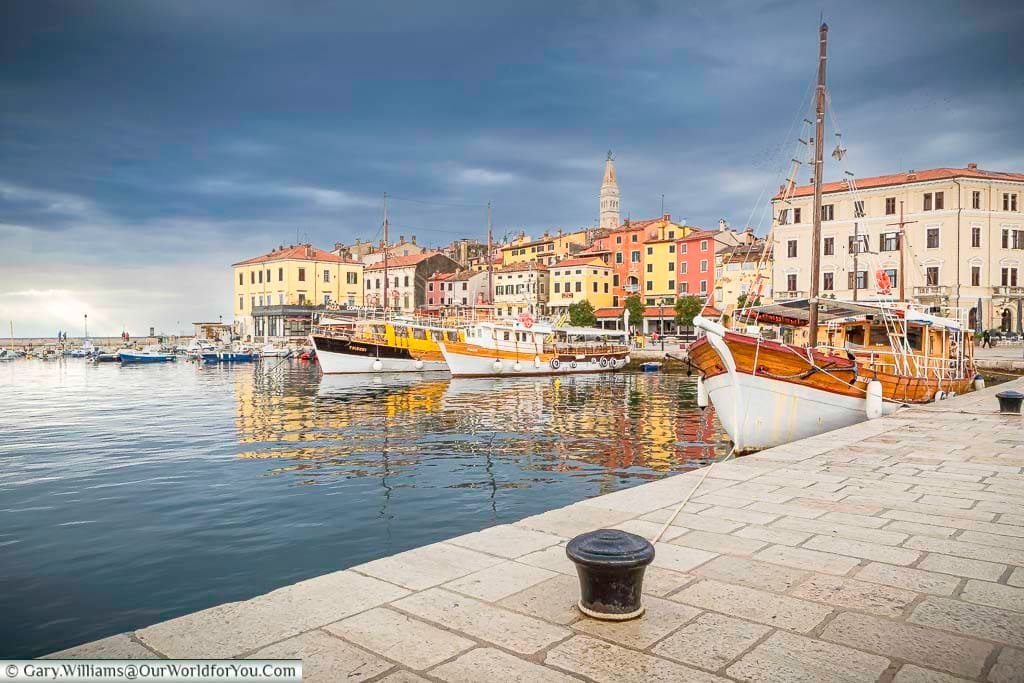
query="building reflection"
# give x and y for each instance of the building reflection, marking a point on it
(622, 426)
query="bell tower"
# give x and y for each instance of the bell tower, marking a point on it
(609, 195)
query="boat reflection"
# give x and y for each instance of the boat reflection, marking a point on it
(606, 429)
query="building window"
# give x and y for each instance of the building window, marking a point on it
(671, 248)
(280, 299)
(327, 276)
(241, 303)
(857, 244)
(828, 281)
(618, 239)
(932, 201)
(650, 267)
(1018, 239)
(1009, 201)
(558, 287)
(939, 201)
(302, 274)
(615, 280)
(682, 248)
(632, 238)
(261, 299)
(650, 286)
(352, 278)
(671, 285)
(791, 282)
(703, 245)
(327, 299)
(827, 212)
(975, 200)
(703, 286)
(634, 257)
(858, 280)
(595, 287)
(252, 277)
(253, 301)
(261, 277)
(830, 246)
(241, 279)
(684, 287)
(975, 236)
(671, 266)
(280, 274)
(931, 276)
(889, 241)
(1009, 277)
(933, 238)
(858, 208)
(791, 248)
(975, 276)
(650, 251)
(891, 272)
(618, 257)
(703, 265)
(890, 206)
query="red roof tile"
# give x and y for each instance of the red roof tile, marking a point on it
(297, 252)
(522, 265)
(904, 178)
(400, 261)
(580, 262)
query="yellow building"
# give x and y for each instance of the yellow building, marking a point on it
(580, 279)
(659, 275)
(294, 276)
(547, 250)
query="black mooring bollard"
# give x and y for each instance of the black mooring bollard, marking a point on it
(611, 565)
(1010, 401)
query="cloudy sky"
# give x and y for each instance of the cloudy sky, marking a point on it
(146, 146)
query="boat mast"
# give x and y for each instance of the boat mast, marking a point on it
(490, 264)
(819, 148)
(385, 251)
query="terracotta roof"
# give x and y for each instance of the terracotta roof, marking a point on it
(297, 252)
(400, 261)
(466, 275)
(580, 262)
(904, 178)
(441, 276)
(522, 265)
(700, 235)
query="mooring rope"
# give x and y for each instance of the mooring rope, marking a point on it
(707, 470)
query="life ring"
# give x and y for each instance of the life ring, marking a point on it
(593, 361)
(884, 282)
(526, 319)
(572, 365)
(603, 362)
(555, 363)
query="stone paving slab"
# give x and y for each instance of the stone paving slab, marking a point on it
(889, 551)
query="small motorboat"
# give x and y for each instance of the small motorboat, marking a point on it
(150, 354)
(230, 356)
(271, 351)
(7, 354)
(106, 358)
(650, 366)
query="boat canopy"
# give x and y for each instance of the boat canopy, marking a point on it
(795, 313)
(571, 331)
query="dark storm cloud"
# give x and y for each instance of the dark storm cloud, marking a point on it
(193, 134)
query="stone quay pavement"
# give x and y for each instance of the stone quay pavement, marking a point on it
(892, 550)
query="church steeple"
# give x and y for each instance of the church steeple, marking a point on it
(609, 195)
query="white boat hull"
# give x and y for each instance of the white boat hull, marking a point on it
(332, 363)
(763, 412)
(465, 365)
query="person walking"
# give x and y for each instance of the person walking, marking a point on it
(986, 340)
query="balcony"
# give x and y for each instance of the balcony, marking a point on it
(931, 292)
(790, 295)
(1003, 290)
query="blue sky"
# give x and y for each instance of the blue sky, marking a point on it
(145, 146)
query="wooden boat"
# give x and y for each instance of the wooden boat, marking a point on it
(381, 346)
(868, 360)
(521, 347)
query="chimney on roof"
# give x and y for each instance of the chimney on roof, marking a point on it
(911, 175)
(401, 239)
(667, 217)
(972, 167)
(722, 225)
(414, 239)
(309, 251)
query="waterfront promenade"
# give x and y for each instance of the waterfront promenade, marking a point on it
(892, 550)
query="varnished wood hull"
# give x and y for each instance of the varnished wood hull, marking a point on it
(768, 393)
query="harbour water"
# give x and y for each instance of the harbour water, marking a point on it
(130, 495)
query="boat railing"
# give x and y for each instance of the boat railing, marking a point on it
(586, 348)
(916, 365)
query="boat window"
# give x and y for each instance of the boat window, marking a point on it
(855, 335)
(915, 338)
(452, 336)
(879, 335)
(378, 329)
(418, 333)
(436, 336)
(401, 331)
(505, 336)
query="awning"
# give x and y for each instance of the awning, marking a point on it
(795, 313)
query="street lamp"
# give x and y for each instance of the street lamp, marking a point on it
(661, 323)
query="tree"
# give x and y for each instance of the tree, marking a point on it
(581, 314)
(688, 308)
(741, 301)
(635, 306)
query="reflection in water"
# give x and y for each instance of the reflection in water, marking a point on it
(133, 495)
